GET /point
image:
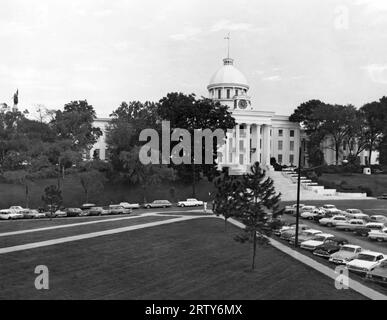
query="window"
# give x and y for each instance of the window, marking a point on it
(280, 145)
(280, 133)
(260, 143)
(241, 156)
(96, 154)
(292, 133)
(228, 93)
(280, 158)
(291, 158)
(219, 93)
(236, 92)
(291, 147)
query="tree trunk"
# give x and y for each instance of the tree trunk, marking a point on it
(370, 154)
(27, 195)
(193, 181)
(254, 249)
(337, 154)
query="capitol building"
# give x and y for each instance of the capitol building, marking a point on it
(259, 134)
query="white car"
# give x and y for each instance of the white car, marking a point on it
(118, 209)
(316, 241)
(353, 211)
(378, 218)
(350, 225)
(347, 253)
(329, 207)
(311, 214)
(32, 214)
(366, 261)
(59, 214)
(361, 216)
(190, 202)
(330, 222)
(16, 209)
(10, 215)
(307, 208)
(380, 235)
(128, 205)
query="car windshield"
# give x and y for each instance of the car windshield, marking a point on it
(366, 257)
(383, 264)
(319, 238)
(347, 249)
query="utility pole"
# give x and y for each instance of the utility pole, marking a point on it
(298, 197)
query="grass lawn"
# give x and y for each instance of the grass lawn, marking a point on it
(377, 182)
(186, 260)
(73, 194)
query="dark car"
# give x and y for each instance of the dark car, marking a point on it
(363, 232)
(73, 212)
(95, 211)
(330, 246)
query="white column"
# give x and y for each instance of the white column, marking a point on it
(258, 142)
(225, 150)
(266, 145)
(247, 144)
(237, 144)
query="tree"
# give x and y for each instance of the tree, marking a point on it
(188, 112)
(143, 175)
(227, 197)
(259, 206)
(92, 182)
(52, 197)
(75, 123)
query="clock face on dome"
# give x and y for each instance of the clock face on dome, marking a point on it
(242, 104)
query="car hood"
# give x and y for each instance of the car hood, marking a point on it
(343, 255)
(313, 243)
(362, 263)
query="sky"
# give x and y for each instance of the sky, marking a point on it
(291, 51)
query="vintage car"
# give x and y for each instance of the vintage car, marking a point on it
(330, 246)
(292, 208)
(346, 254)
(95, 211)
(378, 218)
(190, 202)
(310, 215)
(332, 221)
(157, 204)
(32, 214)
(316, 241)
(73, 212)
(7, 214)
(352, 211)
(128, 205)
(363, 232)
(379, 273)
(289, 231)
(350, 225)
(60, 213)
(365, 261)
(118, 209)
(304, 236)
(87, 206)
(361, 216)
(329, 208)
(379, 235)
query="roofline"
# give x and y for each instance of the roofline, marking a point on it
(210, 86)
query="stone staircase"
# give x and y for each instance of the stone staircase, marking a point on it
(286, 183)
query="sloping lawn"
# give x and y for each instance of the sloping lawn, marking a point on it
(376, 182)
(186, 260)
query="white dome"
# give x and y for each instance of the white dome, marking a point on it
(228, 75)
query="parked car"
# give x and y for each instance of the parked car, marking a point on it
(128, 205)
(307, 208)
(32, 214)
(158, 204)
(329, 207)
(330, 246)
(17, 209)
(346, 254)
(304, 236)
(332, 221)
(378, 218)
(117, 209)
(190, 202)
(366, 261)
(350, 225)
(59, 214)
(95, 211)
(290, 231)
(316, 241)
(73, 212)
(380, 235)
(292, 208)
(379, 273)
(7, 214)
(363, 232)
(87, 206)
(383, 196)
(361, 216)
(106, 211)
(312, 214)
(352, 211)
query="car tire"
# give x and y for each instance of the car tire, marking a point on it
(182, 205)
(148, 207)
(329, 224)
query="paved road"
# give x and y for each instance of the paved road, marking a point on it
(352, 238)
